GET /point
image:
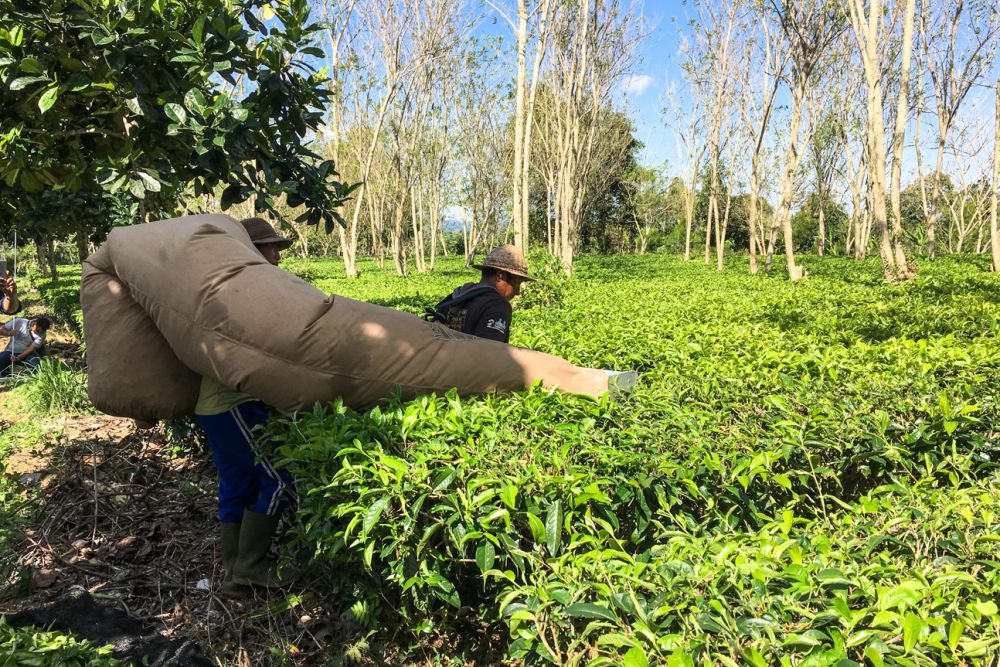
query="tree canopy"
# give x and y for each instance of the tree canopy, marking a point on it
(155, 99)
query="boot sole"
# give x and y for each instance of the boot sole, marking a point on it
(243, 581)
(235, 590)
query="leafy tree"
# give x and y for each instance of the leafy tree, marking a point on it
(805, 223)
(607, 220)
(915, 221)
(151, 99)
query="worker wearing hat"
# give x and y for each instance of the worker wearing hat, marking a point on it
(252, 492)
(483, 309)
(265, 239)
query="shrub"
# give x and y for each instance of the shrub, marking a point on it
(805, 475)
(55, 387)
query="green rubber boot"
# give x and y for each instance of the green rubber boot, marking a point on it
(253, 567)
(229, 548)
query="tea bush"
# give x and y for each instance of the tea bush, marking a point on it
(804, 475)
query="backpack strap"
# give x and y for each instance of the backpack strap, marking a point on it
(454, 301)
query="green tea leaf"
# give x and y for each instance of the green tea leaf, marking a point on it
(373, 514)
(508, 494)
(485, 556)
(635, 657)
(988, 608)
(48, 98)
(913, 625)
(553, 528)
(905, 594)
(537, 528)
(175, 112)
(590, 610)
(955, 629)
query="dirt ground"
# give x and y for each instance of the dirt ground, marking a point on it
(129, 519)
(123, 547)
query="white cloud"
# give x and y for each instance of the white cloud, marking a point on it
(636, 84)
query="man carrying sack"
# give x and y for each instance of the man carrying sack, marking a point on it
(252, 492)
(483, 309)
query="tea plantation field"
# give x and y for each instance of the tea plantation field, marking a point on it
(805, 475)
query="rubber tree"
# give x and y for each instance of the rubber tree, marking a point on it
(531, 24)
(994, 233)
(810, 27)
(958, 41)
(871, 32)
(764, 61)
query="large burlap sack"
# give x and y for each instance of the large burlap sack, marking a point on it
(229, 314)
(131, 370)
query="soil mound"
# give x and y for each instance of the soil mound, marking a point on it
(80, 614)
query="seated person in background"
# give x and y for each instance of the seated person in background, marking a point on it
(483, 309)
(10, 304)
(27, 341)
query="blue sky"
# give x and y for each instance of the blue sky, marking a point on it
(646, 90)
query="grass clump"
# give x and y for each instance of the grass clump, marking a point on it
(53, 387)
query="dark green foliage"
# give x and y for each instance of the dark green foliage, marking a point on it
(62, 297)
(127, 97)
(805, 225)
(805, 474)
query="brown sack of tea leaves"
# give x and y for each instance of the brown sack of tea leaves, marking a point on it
(228, 314)
(131, 370)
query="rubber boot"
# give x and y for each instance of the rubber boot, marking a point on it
(253, 567)
(230, 547)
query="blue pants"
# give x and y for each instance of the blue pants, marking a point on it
(246, 481)
(31, 361)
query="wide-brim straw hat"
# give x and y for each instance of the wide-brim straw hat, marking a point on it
(506, 258)
(262, 233)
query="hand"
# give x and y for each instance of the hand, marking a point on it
(10, 286)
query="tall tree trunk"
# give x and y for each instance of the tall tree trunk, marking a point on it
(435, 223)
(524, 112)
(549, 240)
(822, 228)
(994, 233)
(520, 102)
(50, 255)
(417, 222)
(396, 239)
(754, 268)
(903, 269)
(708, 228)
(772, 242)
(690, 196)
(720, 241)
(82, 246)
(713, 208)
(783, 214)
(866, 30)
